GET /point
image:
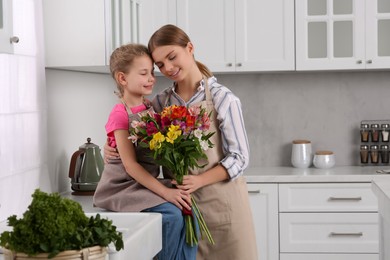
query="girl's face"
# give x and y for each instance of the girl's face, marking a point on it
(140, 78)
(174, 61)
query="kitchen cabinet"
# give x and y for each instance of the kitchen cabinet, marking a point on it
(240, 35)
(264, 204)
(81, 34)
(339, 35)
(314, 220)
(17, 27)
(328, 218)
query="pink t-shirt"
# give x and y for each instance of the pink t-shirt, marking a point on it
(119, 120)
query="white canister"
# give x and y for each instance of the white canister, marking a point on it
(301, 155)
(324, 159)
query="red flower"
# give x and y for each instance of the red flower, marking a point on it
(178, 112)
(151, 128)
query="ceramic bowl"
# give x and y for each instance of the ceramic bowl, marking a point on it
(324, 159)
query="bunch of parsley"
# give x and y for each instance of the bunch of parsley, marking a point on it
(53, 224)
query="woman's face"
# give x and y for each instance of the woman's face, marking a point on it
(174, 61)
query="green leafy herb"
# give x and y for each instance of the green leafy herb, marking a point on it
(53, 224)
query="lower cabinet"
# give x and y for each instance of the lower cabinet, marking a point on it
(315, 221)
(264, 203)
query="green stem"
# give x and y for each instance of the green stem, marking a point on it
(201, 221)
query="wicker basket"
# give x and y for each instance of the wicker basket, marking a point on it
(90, 253)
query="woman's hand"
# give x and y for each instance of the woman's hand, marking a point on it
(110, 152)
(178, 197)
(190, 183)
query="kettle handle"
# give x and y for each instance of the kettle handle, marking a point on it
(73, 161)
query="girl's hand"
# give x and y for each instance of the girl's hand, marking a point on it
(190, 183)
(178, 197)
(110, 152)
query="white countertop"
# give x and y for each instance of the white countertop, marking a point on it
(336, 174)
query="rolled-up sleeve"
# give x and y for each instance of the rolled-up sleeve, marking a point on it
(234, 138)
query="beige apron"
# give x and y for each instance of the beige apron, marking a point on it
(224, 205)
(118, 191)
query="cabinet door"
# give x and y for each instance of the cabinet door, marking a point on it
(377, 34)
(264, 204)
(75, 33)
(211, 27)
(154, 14)
(330, 34)
(18, 27)
(264, 35)
(6, 26)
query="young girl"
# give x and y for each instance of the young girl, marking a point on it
(219, 188)
(130, 183)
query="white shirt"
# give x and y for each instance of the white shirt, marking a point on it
(235, 144)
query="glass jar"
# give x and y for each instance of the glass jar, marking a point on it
(375, 133)
(374, 154)
(364, 154)
(385, 153)
(364, 132)
(385, 132)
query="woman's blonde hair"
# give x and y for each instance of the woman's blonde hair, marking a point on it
(122, 59)
(172, 35)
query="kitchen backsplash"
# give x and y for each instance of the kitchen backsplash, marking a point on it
(324, 107)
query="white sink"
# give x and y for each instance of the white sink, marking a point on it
(142, 234)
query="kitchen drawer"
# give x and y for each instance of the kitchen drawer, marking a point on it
(327, 197)
(329, 232)
(329, 257)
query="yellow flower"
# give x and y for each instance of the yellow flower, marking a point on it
(155, 143)
(173, 133)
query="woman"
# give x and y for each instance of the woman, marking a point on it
(219, 188)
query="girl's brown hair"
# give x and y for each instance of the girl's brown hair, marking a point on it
(122, 59)
(172, 35)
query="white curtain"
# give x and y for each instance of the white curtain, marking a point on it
(23, 109)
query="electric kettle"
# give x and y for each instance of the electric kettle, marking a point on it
(86, 167)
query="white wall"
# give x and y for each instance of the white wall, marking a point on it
(325, 107)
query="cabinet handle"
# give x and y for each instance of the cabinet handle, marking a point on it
(14, 39)
(359, 62)
(253, 191)
(346, 198)
(229, 64)
(357, 234)
(239, 64)
(369, 61)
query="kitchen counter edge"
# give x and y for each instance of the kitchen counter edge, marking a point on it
(336, 174)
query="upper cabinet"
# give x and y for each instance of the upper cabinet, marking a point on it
(338, 35)
(17, 27)
(240, 35)
(81, 34)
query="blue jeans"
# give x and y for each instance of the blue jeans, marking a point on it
(174, 246)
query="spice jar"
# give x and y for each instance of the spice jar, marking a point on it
(385, 132)
(375, 132)
(385, 153)
(374, 152)
(364, 132)
(364, 153)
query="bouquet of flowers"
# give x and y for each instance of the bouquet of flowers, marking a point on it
(177, 138)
